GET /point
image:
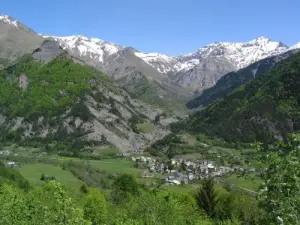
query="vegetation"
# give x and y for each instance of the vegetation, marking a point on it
(45, 95)
(207, 198)
(168, 146)
(95, 207)
(232, 81)
(12, 177)
(280, 193)
(124, 201)
(262, 110)
(51, 88)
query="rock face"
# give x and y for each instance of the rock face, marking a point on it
(138, 77)
(15, 40)
(95, 106)
(48, 51)
(234, 80)
(155, 78)
(203, 68)
(186, 74)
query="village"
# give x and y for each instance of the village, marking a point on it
(182, 171)
(176, 171)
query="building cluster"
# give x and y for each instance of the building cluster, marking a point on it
(5, 153)
(181, 171)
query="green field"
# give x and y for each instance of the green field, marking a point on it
(106, 151)
(146, 127)
(115, 165)
(187, 188)
(32, 172)
(243, 182)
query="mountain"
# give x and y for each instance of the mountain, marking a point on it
(158, 79)
(15, 40)
(296, 46)
(265, 109)
(234, 80)
(53, 98)
(183, 75)
(139, 78)
(204, 67)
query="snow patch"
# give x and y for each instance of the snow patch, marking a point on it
(9, 20)
(239, 54)
(92, 47)
(296, 46)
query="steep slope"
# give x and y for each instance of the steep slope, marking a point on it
(265, 109)
(233, 80)
(15, 40)
(203, 68)
(126, 68)
(51, 97)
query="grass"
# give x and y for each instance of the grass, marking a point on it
(32, 172)
(106, 151)
(243, 182)
(146, 127)
(115, 165)
(186, 188)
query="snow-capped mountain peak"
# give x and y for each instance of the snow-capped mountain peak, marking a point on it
(260, 39)
(161, 62)
(241, 54)
(84, 46)
(296, 46)
(7, 19)
(201, 68)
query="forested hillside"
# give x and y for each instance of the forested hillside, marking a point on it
(49, 96)
(266, 109)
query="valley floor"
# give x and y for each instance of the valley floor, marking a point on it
(32, 163)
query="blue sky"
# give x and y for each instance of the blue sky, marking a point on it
(165, 26)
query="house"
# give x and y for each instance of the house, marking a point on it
(252, 170)
(6, 152)
(173, 162)
(151, 168)
(191, 177)
(176, 182)
(10, 164)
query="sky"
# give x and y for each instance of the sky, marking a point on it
(170, 27)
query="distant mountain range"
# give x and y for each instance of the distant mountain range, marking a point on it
(197, 71)
(152, 77)
(233, 80)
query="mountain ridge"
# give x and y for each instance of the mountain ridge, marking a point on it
(233, 80)
(158, 78)
(195, 71)
(265, 109)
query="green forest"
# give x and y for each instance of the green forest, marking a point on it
(51, 88)
(266, 109)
